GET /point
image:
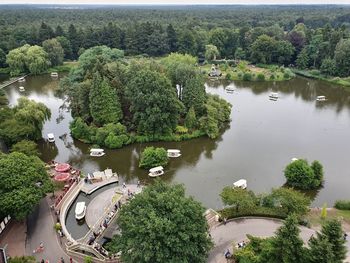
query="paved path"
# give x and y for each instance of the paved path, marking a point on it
(40, 228)
(235, 231)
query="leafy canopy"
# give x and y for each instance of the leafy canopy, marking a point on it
(152, 157)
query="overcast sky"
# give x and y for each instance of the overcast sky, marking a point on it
(174, 2)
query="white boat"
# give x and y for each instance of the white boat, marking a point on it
(97, 152)
(294, 159)
(156, 171)
(242, 183)
(80, 210)
(54, 74)
(321, 98)
(51, 137)
(230, 89)
(273, 95)
(22, 79)
(173, 153)
(21, 89)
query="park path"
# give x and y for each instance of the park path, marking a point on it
(40, 229)
(236, 230)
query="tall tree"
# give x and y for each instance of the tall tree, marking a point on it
(45, 32)
(23, 182)
(194, 95)
(104, 103)
(2, 58)
(171, 36)
(73, 38)
(54, 50)
(342, 57)
(211, 52)
(161, 224)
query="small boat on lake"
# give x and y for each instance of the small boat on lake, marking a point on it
(294, 159)
(97, 152)
(242, 183)
(22, 79)
(80, 210)
(230, 89)
(273, 96)
(156, 171)
(321, 98)
(54, 75)
(21, 89)
(173, 153)
(51, 137)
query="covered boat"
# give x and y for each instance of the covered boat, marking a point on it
(51, 137)
(230, 89)
(62, 167)
(156, 171)
(97, 152)
(80, 210)
(174, 153)
(21, 89)
(321, 98)
(294, 159)
(62, 177)
(273, 96)
(54, 74)
(22, 79)
(242, 183)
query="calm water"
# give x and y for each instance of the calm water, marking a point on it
(262, 138)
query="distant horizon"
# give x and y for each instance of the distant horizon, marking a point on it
(175, 2)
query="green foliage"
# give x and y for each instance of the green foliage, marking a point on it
(2, 58)
(260, 77)
(54, 51)
(239, 198)
(162, 212)
(152, 157)
(194, 95)
(211, 52)
(324, 211)
(154, 104)
(181, 129)
(342, 57)
(191, 119)
(247, 76)
(23, 259)
(342, 204)
(23, 122)
(301, 175)
(328, 67)
(104, 104)
(88, 259)
(23, 182)
(27, 147)
(303, 59)
(320, 250)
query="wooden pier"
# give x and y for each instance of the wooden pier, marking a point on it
(11, 81)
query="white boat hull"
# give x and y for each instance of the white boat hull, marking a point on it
(155, 175)
(97, 155)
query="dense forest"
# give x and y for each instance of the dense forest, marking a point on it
(305, 36)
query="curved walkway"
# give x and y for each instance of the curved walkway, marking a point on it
(236, 230)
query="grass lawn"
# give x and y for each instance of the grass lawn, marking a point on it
(66, 67)
(314, 217)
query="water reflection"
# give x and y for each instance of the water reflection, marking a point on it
(261, 139)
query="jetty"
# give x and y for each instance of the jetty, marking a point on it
(11, 81)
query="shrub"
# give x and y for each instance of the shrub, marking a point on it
(240, 74)
(181, 129)
(152, 157)
(272, 77)
(261, 77)
(342, 205)
(247, 76)
(324, 211)
(228, 76)
(112, 141)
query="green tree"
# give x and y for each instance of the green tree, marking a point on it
(171, 38)
(317, 167)
(262, 49)
(104, 104)
(16, 59)
(191, 119)
(287, 246)
(152, 157)
(300, 175)
(211, 52)
(240, 199)
(328, 67)
(291, 201)
(194, 95)
(303, 59)
(186, 42)
(162, 219)
(2, 58)
(240, 53)
(54, 50)
(333, 232)
(320, 250)
(284, 52)
(66, 45)
(23, 182)
(342, 57)
(154, 104)
(45, 32)
(27, 147)
(37, 60)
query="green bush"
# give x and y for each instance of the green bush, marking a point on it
(273, 212)
(112, 141)
(181, 129)
(152, 157)
(261, 77)
(247, 76)
(272, 77)
(342, 204)
(228, 76)
(286, 75)
(240, 74)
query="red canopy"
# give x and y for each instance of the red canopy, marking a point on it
(62, 167)
(61, 177)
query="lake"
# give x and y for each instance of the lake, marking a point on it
(260, 141)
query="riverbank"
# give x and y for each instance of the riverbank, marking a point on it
(247, 72)
(316, 74)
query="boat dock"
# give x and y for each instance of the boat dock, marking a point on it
(11, 81)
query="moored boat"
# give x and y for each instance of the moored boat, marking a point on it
(80, 210)
(156, 171)
(242, 183)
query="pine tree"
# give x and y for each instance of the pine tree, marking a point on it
(191, 120)
(320, 250)
(104, 104)
(193, 94)
(303, 59)
(171, 38)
